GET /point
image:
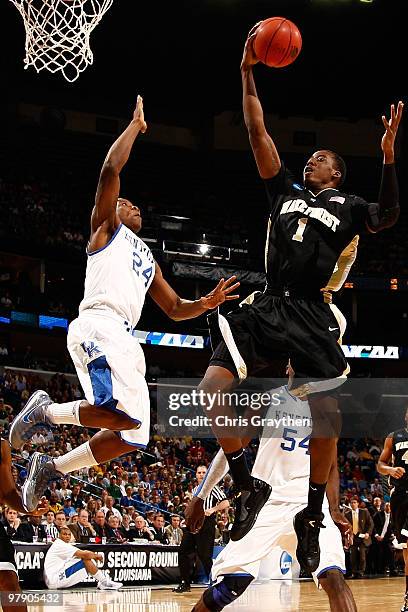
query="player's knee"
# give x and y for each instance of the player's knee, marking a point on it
(225, 592)
(214, 382)
(332, 581)
(117, 421)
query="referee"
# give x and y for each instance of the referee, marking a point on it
(201, 543)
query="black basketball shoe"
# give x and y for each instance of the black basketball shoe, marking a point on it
(248, 505)
(307, 527)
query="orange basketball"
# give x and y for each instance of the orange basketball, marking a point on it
(277, 42)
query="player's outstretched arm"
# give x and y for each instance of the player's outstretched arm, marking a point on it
(383, 466)
(265, 153)
(388, 198)
(333, 496)
(180, 309)
(107, 192)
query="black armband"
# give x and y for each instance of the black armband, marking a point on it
(386, 212)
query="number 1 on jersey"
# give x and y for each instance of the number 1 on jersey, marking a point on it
(298, 236)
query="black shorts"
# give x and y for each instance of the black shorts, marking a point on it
(7, 561)
(306, 331)
(399, 513)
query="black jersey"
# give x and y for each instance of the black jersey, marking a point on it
(308, 233)
(400, 457)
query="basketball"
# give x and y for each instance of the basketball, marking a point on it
(277, 42)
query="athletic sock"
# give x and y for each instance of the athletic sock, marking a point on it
(60, 414)
(100, 576)
(315, 497)
(239, 470)
(216, 472)
(76, 459)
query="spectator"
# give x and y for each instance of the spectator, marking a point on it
(83, 531)
(60, 520)
(32, 529)
(113, 489)
(158, 530)
(363, 525)
(174, 531)
(100, 526)
(114, 533)
(141, 529)
(64, 491)
(127, 529)
(109, 507)
(54, 505)
(11, 522)
(382, 543)
(128, 499)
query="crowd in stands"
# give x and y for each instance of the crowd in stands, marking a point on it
(143, 496)
(41, 213)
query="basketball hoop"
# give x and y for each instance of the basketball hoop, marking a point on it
(58, 33)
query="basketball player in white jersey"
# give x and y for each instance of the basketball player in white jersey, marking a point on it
(108, 359)
(283, 462)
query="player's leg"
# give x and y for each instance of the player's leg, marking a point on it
(186, 552)
(253, 493)
(225, 592)
(405, 604)
(102, 366)
(205, 544)
(104, 582)
(319, 363)
(9, 585)
(340, 596)
(330, 573)
(238, 563)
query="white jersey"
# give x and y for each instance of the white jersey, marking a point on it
(283, 455)
(118, 276)
(58, 554)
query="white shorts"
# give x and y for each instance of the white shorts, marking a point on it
(71, 573)
(6, 566)
(274, 527)
(111, 368)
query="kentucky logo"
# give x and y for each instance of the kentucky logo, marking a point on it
(91, 349)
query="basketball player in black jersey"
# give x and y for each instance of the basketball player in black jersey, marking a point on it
(11, 497)
(395, 452)
(311, 225)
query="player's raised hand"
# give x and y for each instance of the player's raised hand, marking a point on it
(138, 114)
(391, 128)
(249, 58)
(221, 293)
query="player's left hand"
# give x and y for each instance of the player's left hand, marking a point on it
(391, 128)
(220, 294)
(194, 515)
(344, 526)
(41, 509)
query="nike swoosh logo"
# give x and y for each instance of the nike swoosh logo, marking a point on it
(312, 523)
(313, 489)
(26, 418)
(333, 328)
(237, 457)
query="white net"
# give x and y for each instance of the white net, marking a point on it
(58, 33)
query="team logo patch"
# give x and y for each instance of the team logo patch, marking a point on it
(285, 562)
(338, 199)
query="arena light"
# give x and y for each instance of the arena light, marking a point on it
(204, 248)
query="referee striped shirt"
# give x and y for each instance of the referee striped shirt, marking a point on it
(215, 497)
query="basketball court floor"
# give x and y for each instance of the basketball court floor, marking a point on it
(271, 596)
